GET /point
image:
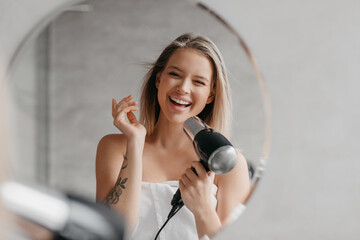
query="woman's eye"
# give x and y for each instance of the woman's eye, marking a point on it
(199, 82)
(173, 74)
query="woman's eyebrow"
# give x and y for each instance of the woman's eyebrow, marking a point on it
(197, 76)
(203, 78)
(175, 67)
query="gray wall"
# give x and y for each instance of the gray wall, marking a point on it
(309, 54)
(28, 112)
(23, 106)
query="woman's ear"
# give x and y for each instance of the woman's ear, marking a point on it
(211, 97)
(157, 81)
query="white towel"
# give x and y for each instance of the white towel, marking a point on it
(154, 209)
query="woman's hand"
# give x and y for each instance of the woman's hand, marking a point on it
(132, 129)
(196, 188)
(195, 191)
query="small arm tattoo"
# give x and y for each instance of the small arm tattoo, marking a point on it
(115, 193)
(125, 163)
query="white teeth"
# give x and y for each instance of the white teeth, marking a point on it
(180, 101)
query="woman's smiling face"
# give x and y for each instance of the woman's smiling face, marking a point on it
(185, 85)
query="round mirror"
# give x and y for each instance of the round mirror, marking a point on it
(63, 81)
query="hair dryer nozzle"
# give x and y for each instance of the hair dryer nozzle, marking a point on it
(223, 159)
(193, 126)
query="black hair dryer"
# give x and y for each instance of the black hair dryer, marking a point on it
(216, 153)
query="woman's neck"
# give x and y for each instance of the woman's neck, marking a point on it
(169, 135)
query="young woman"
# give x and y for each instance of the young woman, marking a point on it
(138, 171)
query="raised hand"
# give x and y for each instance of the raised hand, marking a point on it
(130, 127)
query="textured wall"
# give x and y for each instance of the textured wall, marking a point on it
(310, 55)
(23, 106)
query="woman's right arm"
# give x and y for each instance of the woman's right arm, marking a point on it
(119, 163)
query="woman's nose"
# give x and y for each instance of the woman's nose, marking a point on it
(184, 86)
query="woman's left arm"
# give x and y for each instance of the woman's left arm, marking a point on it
(233, 188)
(195, 188)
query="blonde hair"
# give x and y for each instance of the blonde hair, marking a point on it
(216, 114)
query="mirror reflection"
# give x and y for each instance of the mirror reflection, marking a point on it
(63, 85)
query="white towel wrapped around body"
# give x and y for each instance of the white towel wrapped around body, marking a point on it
(154, 209)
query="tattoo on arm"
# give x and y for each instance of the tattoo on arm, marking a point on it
(114, 195)
(125, 163)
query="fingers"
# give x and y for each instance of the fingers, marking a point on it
(211, 175)
(185, 181)
(115, 105)
(196, 171)
(125, 102)
(131, 117)
(190, 174)
(199, 168)
(124, 107)
(195, 175)
(120, 114)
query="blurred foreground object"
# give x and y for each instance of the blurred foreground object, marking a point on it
(62, 216)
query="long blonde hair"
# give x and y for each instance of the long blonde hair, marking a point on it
(216, 114)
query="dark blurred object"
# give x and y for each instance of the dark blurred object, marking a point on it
(251, 170)
(64, 215)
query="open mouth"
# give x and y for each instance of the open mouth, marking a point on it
(179, 102)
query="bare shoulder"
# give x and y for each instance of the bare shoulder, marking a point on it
(242, 163)
(109, 160)
(112, 144)
(233, 187)
(240, 168)
(237, 179)
(111, 151)
(113, 140)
